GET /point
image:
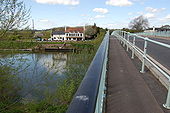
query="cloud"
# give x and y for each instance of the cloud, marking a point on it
(119, 3)
(96, 17)
(100, 10)
(149, 15)
(109, 26)
(63, 2)
(115, 25)
(154, 10)
(99, 16)
(44, 20)
(140, 13)
(130, 13)
(84, 15)
(165, 19)
(44, 24)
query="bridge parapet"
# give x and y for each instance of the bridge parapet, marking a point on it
(90, 95)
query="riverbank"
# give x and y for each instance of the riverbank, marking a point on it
(41, 46)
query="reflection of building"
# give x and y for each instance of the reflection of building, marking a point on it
(60, 56)
(54, 62)
(70, 34)
(59, 61)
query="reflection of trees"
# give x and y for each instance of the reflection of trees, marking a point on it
(9, 81)
(77, 65)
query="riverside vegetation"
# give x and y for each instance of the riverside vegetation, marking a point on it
(56, 101)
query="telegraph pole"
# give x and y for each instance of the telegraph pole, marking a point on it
(33, 27)
(33, 24)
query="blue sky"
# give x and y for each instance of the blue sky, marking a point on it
(105, 13)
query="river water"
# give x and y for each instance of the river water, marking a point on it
(40, 73)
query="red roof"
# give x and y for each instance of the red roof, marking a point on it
(74, 29)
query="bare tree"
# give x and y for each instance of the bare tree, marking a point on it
(13, 15)
(140, 23)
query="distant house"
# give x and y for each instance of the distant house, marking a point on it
(38, 36)
(75, 34)
(70, 34)
(163, 28)
(150, 29)
(58, 35)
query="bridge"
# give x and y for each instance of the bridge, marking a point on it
(129, 74)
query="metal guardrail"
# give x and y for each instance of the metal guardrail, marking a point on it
(124, 38)
(90, 95)
(158, 33)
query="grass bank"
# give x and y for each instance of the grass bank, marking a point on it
(90, 44)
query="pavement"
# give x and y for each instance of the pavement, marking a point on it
(127, 91)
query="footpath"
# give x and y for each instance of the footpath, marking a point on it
(127, 91)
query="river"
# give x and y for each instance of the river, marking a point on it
(39, 74)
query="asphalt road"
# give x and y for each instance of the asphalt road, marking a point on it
(159, 53)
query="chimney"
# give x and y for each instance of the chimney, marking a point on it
(84, 27)
(65, 28)
(153, 28)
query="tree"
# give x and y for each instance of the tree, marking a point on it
(13, 15)
(140, 23)
(89, 31)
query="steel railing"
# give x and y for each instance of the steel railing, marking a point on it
(156, 33)
(90, 95)
(124, 38)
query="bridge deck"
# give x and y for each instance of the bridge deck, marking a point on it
(127, 91)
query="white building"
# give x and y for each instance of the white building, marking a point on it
(58, 35)
(70, 34)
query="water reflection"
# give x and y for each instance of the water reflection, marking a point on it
(37, 72)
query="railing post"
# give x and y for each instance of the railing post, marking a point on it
(144, 56)
(133, 49)
(124, 39)
(121, 37)
(167, 104)
(127, 45)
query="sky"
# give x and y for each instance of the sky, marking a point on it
(105, 13)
